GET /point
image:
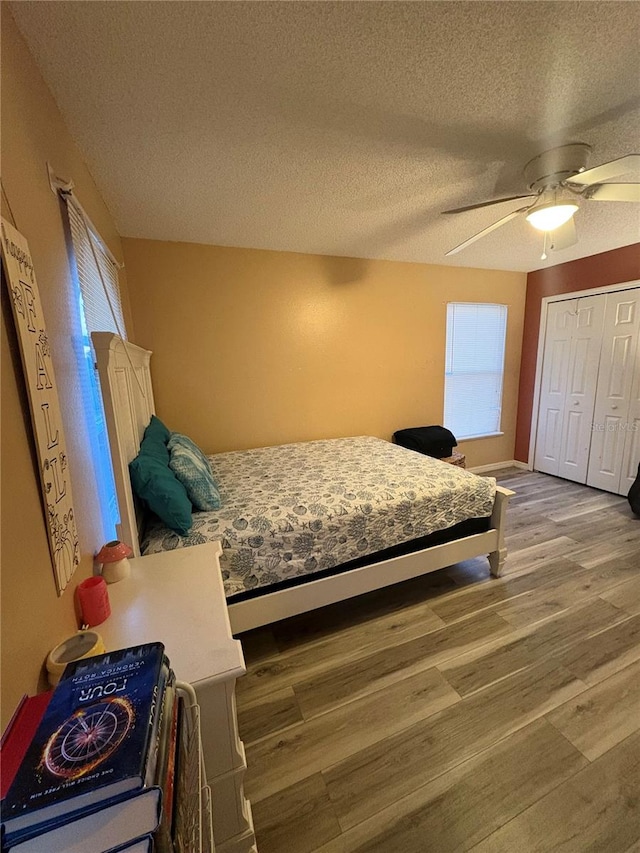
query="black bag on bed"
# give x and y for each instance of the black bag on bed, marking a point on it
(436, 441)
(634, 494)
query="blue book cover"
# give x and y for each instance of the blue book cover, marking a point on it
(139, 845)
(95, 828)
(94, 740)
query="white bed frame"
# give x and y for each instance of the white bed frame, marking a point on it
(127, 393)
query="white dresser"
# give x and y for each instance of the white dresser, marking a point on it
(177, 597)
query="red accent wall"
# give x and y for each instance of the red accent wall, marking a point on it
(614, 267)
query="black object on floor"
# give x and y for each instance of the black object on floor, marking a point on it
(436, 441)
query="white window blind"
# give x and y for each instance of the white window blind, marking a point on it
(97, 274)
(474, 370)
(100, 310)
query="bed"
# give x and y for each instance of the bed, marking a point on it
(306, 524)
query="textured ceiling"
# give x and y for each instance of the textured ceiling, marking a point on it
(342, 127)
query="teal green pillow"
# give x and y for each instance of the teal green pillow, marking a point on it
(192, 468)
(154, 442)
(156, 484)
(152, 447)
(157, 430)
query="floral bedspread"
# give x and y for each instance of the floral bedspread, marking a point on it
(299, 508)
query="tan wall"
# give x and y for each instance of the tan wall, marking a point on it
(34, 619)
(256, 348)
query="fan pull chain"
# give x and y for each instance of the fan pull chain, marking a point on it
(543, 256)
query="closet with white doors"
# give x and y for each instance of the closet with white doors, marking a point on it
(588, 423)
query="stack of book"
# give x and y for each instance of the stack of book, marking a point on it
(94, 763)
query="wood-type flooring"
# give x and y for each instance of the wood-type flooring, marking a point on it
(460, 712)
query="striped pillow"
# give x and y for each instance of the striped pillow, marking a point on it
(192, 468)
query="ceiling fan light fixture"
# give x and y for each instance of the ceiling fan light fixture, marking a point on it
(550, 216)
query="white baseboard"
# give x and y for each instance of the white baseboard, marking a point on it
(496, 466)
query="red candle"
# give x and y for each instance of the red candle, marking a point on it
(94, 601)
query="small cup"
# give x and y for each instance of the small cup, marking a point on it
(94, 601)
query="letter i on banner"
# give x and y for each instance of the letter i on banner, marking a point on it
(44, 404)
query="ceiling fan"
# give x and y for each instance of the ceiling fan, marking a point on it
(558, 180)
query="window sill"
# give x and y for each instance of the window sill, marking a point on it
(475, 437)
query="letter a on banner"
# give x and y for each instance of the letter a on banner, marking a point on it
(43, 401)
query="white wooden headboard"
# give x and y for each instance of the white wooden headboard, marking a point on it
(127, 394)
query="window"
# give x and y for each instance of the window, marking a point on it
(100, 310)
(474, 368)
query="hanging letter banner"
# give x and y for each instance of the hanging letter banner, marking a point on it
(43, 400)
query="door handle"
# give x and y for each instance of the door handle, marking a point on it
(576, 402)
(614, 407)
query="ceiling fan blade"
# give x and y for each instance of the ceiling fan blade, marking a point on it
(613, 192)
(564, 236)
(488, 230)
(613, 169)
(488, 203)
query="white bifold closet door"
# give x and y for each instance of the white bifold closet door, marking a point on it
(569, 383)
(589, 416)
(615, 444)
(631, 455)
